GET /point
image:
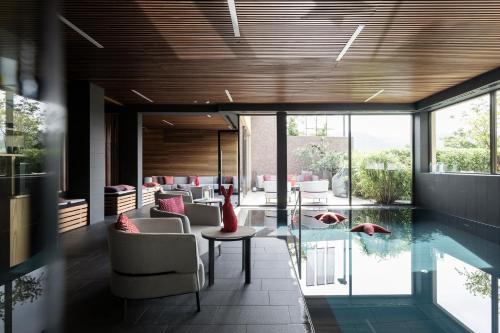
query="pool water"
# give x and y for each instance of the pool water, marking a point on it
(433, 273)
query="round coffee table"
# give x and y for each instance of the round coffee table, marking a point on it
(243, 234)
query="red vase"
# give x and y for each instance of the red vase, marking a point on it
(229, 218)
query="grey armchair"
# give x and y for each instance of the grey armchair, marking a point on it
(196, 218)
(187, 196)
(159, 261)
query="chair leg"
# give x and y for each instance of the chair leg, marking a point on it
(124, 313)
(219, 249)
(198, 301)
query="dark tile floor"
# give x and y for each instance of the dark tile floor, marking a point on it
(271, 303)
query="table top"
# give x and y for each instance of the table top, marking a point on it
(215, 233)
(211, 200)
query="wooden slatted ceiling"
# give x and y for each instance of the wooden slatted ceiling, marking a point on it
(185, 122)
(176, 52)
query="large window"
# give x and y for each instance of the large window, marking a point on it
(498, 130)
(381, 159)
(317, 159)
(460, 137)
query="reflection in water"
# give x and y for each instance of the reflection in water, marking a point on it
(431, 274)
(464, 292)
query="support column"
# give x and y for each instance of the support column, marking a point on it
(86, 146)
(130, 151)
(281, 163)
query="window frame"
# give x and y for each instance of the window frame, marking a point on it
(493, 139)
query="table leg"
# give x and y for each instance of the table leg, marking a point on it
(243, 255)
(211, 262)
(248, 275)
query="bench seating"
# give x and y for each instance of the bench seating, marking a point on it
(119, 202)
(72, 214)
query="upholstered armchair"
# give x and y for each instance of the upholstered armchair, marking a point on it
(160, 260)
(187, 196)
(195, 218)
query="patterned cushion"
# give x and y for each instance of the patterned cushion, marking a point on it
(172, 205)
(169, 180)
(124, 224)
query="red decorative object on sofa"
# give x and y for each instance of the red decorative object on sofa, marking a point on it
(172, 205)
(228, 215)
(370, 229)
(151, 184)
(124, 224)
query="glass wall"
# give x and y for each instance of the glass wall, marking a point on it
(381, 159)
(317, 159)
(498, 131)
(259, 160)
(460, 137)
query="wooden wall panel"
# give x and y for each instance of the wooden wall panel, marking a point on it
(229, 149)
(179, 153)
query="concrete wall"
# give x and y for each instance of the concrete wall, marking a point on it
(475, 197)
(86, 146)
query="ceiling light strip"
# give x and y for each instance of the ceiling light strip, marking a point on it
(374, 95)
(350, 41)
(234, 17)
(167, 122)
(228, 94)
(109, 99)
(79, 31)
(139, 94)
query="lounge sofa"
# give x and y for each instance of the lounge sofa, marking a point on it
(303, 177)
(184, 182)
(315, 190)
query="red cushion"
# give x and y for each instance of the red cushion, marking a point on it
(152, 184)
(196, 181)
(169, 180)
(292, 180)
(370, 229)
(268, 177)
(124, 224)
(192, 179)
(172, 205)
(308, 178)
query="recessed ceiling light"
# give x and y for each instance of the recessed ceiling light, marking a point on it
(79, 31)
(138, 93)
(209, 115)
(195, 102)
(228, 94)
(374, 95)
(350, 41)
(234, 17)
(167, 122)
(207, 102)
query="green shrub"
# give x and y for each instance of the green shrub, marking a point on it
(383, 176)
(464, 159)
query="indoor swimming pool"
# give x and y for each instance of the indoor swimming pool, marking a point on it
(433, 273)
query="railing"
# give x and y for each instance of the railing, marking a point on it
(297, 213)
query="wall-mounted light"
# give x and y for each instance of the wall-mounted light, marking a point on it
(209, 115)
(167, 122)
(350, 41)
